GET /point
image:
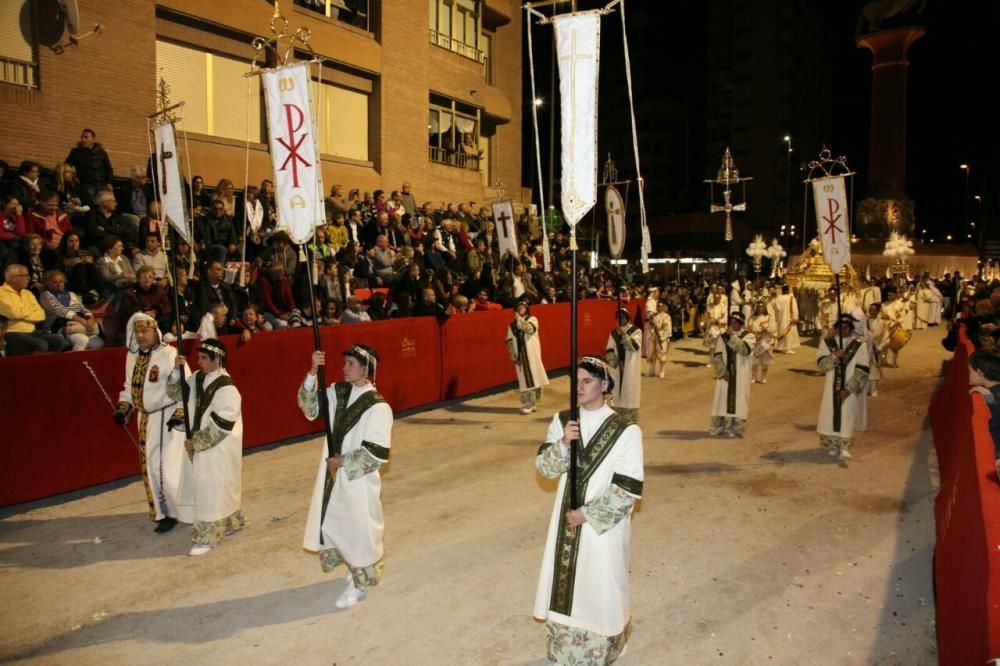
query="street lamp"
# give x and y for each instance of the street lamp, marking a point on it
(966, 169)
(788, 182)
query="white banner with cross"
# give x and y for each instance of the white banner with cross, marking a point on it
(169, 184)
(298, 176)
(503, 217)
(830, 196)
(578, 41)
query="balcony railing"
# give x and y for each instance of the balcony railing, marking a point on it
(456, 46)
(451, 158)
(19, 72)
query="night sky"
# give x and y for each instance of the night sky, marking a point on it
(952, 74)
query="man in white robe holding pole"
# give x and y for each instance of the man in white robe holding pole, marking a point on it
(583, 587)
(844, 358)
(525, 349)
(732, 361)
(165, 468)
(345, 523)
(214, 446)
(624, 354)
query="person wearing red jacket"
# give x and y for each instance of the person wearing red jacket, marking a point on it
(275, 295)
(149, 297)
(11, 220)
(48, 220)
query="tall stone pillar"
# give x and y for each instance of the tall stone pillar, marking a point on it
(887, 207)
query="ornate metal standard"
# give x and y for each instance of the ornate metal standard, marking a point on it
(167, 113)
(825, 167)
(282, 45)
(727, 176)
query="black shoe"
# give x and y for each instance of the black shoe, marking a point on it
(165, 525)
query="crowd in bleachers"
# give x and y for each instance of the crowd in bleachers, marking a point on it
(96, 250)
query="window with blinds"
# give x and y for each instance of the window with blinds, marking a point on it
(18, 61)
(214, 91)
(342, 121)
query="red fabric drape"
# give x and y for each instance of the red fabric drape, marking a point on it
(967, 514)
(58, 434)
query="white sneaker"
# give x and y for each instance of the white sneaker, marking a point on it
(874, 394)
(715, 431)
(732, 434)
(832, 451)
(526, 410)
(845, 454)
(753, 381)
(199, 549)
(763, 381)
(790, 351)
(350, 596)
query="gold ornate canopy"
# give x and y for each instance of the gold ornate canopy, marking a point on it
(812, 271)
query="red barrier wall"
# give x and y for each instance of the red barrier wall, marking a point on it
(967, 514)
(58, 434)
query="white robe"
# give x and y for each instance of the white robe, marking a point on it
(870, 295)
(531, 362)
(922, 314)
(763, 329)
(167, 466)
(785, 311)
(647, 327)
(934, 313)
(748, 303)
(662, 326)
(849, 408)
(894, 314)
(218, 471)
(628, 371)
(742, 347)
(716, 318)
(601, 591)
(353, 523)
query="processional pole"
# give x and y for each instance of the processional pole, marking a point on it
(294, 147)
(577, 40)
(169, 191)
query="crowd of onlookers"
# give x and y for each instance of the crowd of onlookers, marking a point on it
(83, 252)
(92, 250)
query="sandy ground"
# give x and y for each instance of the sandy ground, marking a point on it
(756, 551)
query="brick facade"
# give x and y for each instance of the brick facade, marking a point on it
(107, 82)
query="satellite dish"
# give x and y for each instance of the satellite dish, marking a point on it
(69, 13)
(614, 206)
(72, 12)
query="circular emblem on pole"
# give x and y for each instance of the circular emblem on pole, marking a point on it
(614, 206)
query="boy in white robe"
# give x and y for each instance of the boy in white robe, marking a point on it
(624, 354)
(583, 586)
(662, 331)
(844, 358)
(164, 465)
(762, 327)
(214, 446)
(715, 318)
(525, 349)
(345, 523)
(732, 361)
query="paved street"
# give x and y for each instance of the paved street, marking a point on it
(756, 551)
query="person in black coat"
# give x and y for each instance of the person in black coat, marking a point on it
(92, 164)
